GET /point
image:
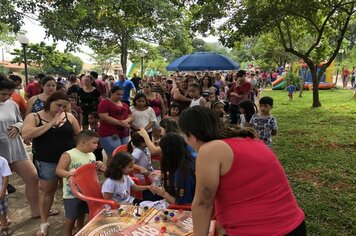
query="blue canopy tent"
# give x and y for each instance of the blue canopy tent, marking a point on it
(201, 61)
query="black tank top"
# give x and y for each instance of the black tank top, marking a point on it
(54, 142)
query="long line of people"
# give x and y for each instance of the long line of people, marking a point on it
(54, 118)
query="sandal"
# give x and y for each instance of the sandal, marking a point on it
(52, 212)
(6, 231)
(43, 231)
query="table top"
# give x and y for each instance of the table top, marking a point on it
(148, 221)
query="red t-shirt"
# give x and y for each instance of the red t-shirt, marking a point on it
(254, 197)
(33, 89)
(118, 112)
(242, 89)
(101, 87)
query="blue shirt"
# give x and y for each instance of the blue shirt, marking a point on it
(185, 194)
(192, 152)
(127, 85)
(291, 89)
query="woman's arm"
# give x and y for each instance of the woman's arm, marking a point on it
(207, 182)
(110, 120)
(30, 105)
(30, 129)
(140, 188)
(161, 192)
(179, 97)
(153, 149)
(161, 105)
(74, 122)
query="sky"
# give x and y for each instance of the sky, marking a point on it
(36, 33)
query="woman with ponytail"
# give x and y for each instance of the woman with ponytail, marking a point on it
(239, 176)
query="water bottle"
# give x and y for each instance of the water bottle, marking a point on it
(157, 180)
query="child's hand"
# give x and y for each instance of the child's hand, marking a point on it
(143, 133)
(71, 173)
(157, 190)
(100, 166)
(144, 171)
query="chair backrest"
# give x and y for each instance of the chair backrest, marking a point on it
(86, 179)
(122, 148)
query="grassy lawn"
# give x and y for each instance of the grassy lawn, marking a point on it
(317, 148)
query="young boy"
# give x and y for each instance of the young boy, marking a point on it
(75, 209)
(264, 123)
(291, 89)
(76, 110)
(93, 120)
(5, 173)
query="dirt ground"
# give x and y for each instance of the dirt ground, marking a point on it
(20, 214)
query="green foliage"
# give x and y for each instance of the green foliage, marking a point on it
(3, 70)
(37, 54)
(7, 37)
(317, 150)
(12, 13)
(33, 71)
(311, 30)
(46, 58)
(111, 22)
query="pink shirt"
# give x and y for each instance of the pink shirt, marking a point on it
(254, 197)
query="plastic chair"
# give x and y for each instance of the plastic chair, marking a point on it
(122, 148)
(185, 207)
(86, 180)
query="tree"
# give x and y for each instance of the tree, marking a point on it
(120, 23)
(12, 13)
(311, 30)
(104, 57)
(49, 60)
(37, 54)
(7, 37)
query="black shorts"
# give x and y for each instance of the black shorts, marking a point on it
(74, 208)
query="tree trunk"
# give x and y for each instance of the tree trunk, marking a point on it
(315, 79)
(123, 58)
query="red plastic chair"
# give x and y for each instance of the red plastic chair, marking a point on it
(122, 148)
(86, 180)
(185, 207)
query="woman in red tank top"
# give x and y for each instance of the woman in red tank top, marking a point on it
(239, 176)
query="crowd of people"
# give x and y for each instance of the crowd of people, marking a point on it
(206, 128)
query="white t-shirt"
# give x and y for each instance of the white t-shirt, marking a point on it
(4, 169)
(142, 118)
(242, 120)
(143, 159)
(195, 102)
(120, 190)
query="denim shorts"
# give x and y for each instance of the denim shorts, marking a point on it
(109, 143)
(74, 208)
(46, 170)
